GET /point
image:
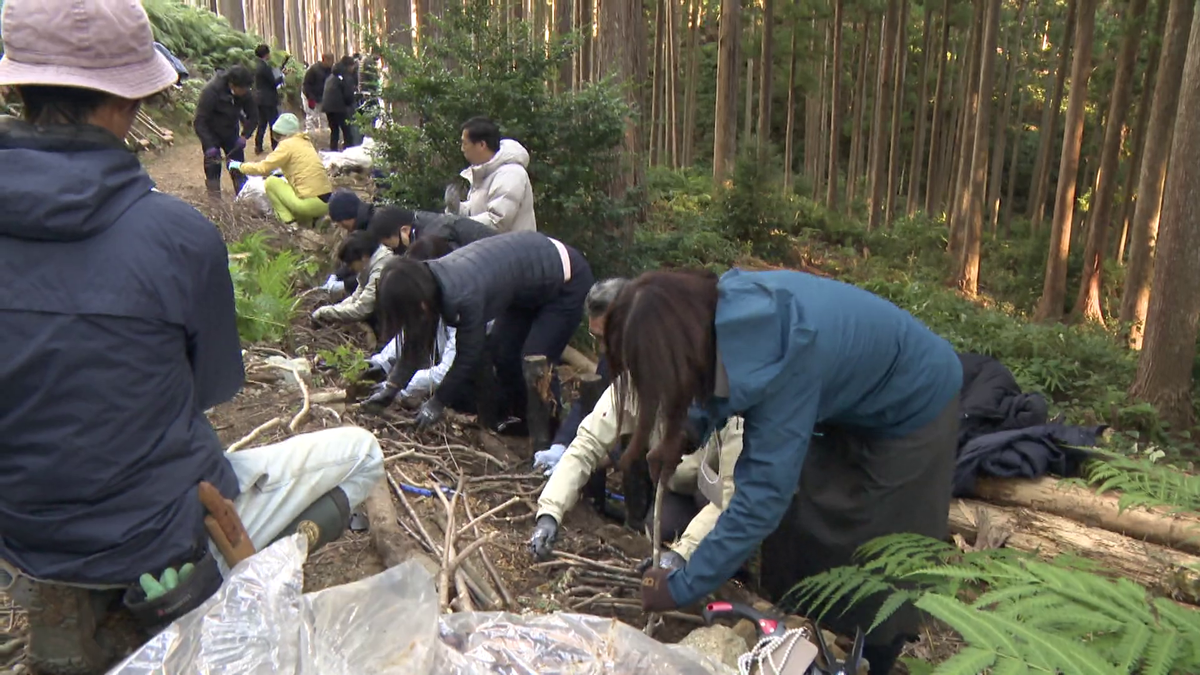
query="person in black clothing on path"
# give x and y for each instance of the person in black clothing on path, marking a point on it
(313, 88)
(532, 285)
(338, 101)
(225, 119)
(266, 94)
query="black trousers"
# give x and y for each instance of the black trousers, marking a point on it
(544, 330)
(339, 127)
(855, 488)
(267, 114)
(214, 165)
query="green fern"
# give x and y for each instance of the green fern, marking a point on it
(1144, 483)
(264, 284)
(1015, 613)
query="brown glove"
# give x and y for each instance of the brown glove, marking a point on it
(656, 596)
(224, 526)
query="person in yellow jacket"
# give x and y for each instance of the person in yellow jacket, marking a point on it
(302, 195)
(703, 478)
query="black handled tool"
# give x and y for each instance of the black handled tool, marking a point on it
(766, 626)
(833, 666)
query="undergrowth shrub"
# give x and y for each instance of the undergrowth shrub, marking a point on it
(265, 282)
(471, 69)
(1016, 614)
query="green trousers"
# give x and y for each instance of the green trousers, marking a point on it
(288, 206)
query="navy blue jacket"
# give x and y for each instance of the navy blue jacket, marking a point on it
(117, 332)
(801, 350)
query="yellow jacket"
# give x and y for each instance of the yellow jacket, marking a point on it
(598, 433)
(301, 165)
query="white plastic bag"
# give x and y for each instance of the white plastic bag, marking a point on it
(254, 193)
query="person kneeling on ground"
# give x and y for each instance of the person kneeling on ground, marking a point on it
(302, 195)
(695, 495)
(534, 287)
(366, 257)
(851, 423)
(104, 442)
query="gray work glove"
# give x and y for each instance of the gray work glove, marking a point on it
(381, 397)
(454, 196)
(669, 560)
(545, 534)
(431, 413)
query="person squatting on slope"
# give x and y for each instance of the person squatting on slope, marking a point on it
(302, 195)
(366, 257)
(350, 214)
(850, 408)
(117, 332)
(225, 118)
(532, 285)
(500, 194)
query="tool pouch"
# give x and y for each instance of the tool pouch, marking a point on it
(154, 615)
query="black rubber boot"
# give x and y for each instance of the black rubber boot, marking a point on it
(62, 628)
(213, 187)
(323, 521)
(639, 495)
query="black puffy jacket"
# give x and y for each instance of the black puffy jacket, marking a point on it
(219, 114)
(991, 400)
(457, 230)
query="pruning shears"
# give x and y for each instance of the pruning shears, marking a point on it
(833, 666)
(765, 625)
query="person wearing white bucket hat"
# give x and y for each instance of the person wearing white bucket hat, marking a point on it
(117, 331)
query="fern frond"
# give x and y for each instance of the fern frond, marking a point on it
(1007, 666)
(890, 607)
(1161, 653)
(1132, 646)
(970, 661)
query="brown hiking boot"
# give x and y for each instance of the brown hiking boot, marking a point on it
(62, 628)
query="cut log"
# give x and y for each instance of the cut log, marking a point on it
(1180, 531)
(539, 400)
(574, 358)
(1159, 568)
(389, 540)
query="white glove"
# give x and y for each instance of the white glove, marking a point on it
(334, 285)
(549, 458)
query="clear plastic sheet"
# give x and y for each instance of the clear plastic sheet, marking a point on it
(260, 623)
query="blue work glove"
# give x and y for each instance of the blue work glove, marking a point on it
(549, 459)
(235, 165)
(431, 413)
(669, 560)
(381, 397)
(545, 534)
(240, 143)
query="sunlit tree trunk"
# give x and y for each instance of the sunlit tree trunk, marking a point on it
(689, 103)
(917, 156)
(883, 95)
(861, 83)
(789, 152)
(894, 161)
(932, 168)
(1004, 107)
(1164, 374)
(964, 151)
(1054, 289)
(725, 127)
(623, 56)
(1039, 186)
(767, 59)
(234, 12)
(1011, 187)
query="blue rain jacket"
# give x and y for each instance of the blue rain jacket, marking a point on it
(117, 332)
(799, 350)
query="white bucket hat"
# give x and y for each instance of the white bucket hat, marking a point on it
(105, 45)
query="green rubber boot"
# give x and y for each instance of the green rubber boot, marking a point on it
(323, 521)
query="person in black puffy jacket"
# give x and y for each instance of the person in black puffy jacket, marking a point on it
(337, 101)
(532, 285)
(225, 118)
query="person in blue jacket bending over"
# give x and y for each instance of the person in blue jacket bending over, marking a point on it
(850, 407)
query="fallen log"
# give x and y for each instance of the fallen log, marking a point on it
(1159, 568)
(1180, 531)
(390, 542)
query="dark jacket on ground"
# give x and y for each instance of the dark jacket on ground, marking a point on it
(266, 87)
(570, 425)
(991, 400)
(338, 97)
(1029, 452)
(458, 230)
(313, 86)
(479, 282)
(221, 117)
(117, 332)
(800, 350)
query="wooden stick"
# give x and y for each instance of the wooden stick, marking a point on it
(471, 548)
(585, 561)
(259, 430)
(305, 406)
(653, 621)
(497, 580)
(384, 524)
(490, 512)
(413, 514)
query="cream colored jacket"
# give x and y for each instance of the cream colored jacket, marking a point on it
(598, 433)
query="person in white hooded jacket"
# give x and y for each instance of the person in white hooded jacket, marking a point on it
(500, 195)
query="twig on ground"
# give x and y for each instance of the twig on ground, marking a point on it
(653, 622)
(413, 514)
(627, 579)
(483, 516)
(401, 455)
(604, 567)
(306, 405)
(328, 397)
(446, 574)
(258, 431)
(498, 580)
(330, 411)
(505, 477)
(471, 548)
(11, 647)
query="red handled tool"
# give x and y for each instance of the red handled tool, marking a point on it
(766, 626)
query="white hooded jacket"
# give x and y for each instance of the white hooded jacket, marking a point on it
(501, 195)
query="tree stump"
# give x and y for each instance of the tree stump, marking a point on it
(540, 401)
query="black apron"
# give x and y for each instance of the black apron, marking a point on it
(855, 488)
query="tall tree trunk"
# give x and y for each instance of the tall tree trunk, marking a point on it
(398, 16)
(766, 59)
(725, 131)
(1041, 168)
(968, 277)
(821, 151)
(861, 83)
(586, 24)
(918, 148)
(1087, 304)
(672, 94)
(1012, 164)
(622, 51)
(656, 84)
(234, 12)
(748, 116)
(835, 98)
(689, 104)
(1004, 107)
(1054, 289)
(1143, 233)
(563, 13)
(932, 170)
(789, 152)
(894, 162)
(279, 25)
(965, 150)
(1164, 374)
(883, 95)
(1145, 100)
